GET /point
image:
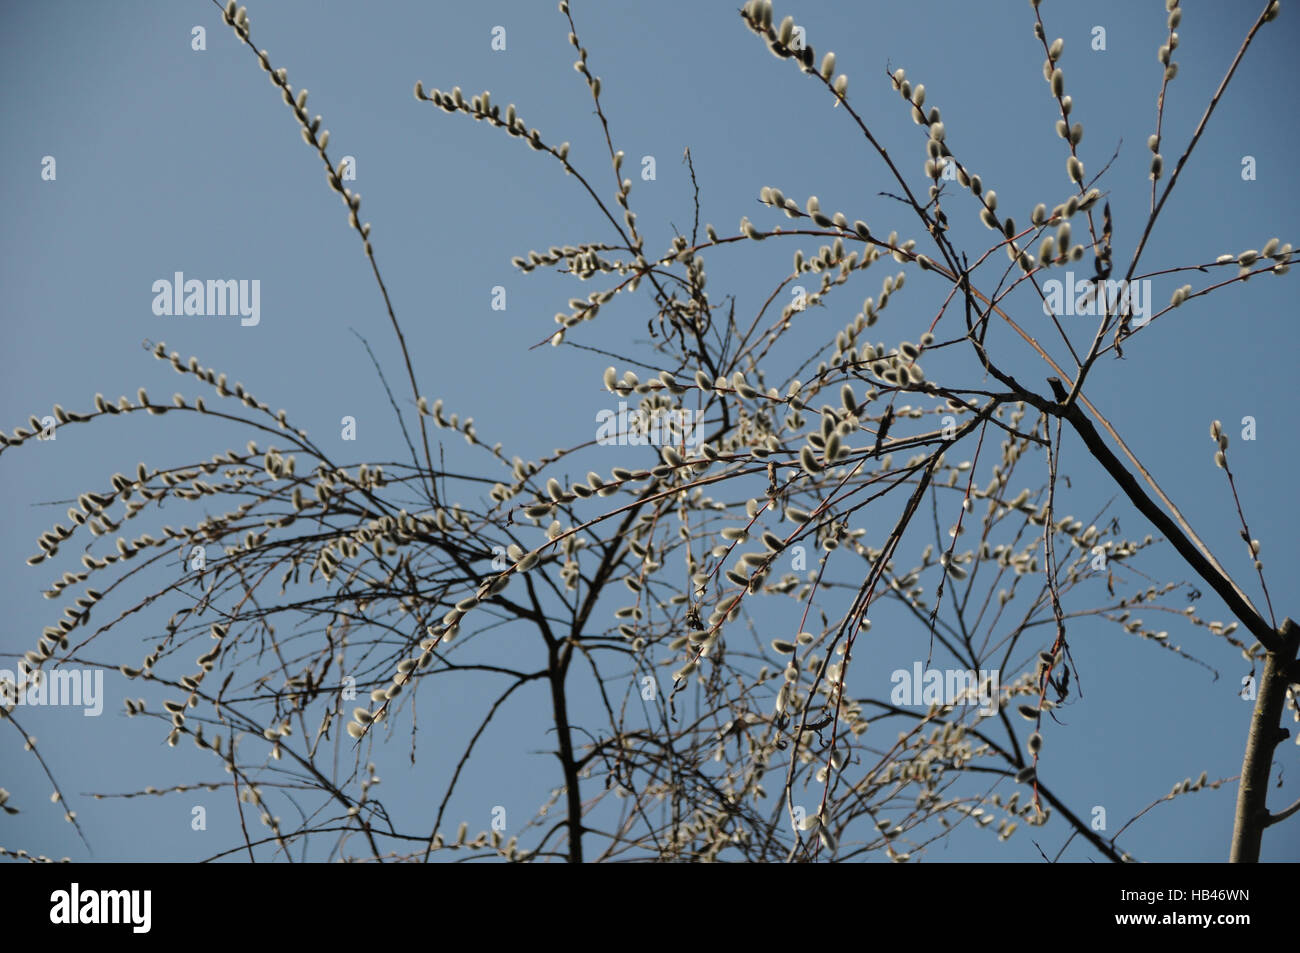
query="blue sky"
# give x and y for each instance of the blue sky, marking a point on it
(170, 159)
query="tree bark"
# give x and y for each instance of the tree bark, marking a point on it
(1266, 732)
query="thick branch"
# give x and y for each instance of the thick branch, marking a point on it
(558, 664)
(1265, 732)
(1235, 601)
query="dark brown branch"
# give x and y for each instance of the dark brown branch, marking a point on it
(1266, 732)
(1238, 605)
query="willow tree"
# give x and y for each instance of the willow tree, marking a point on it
(751, 458)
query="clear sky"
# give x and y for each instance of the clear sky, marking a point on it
(171, 159)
